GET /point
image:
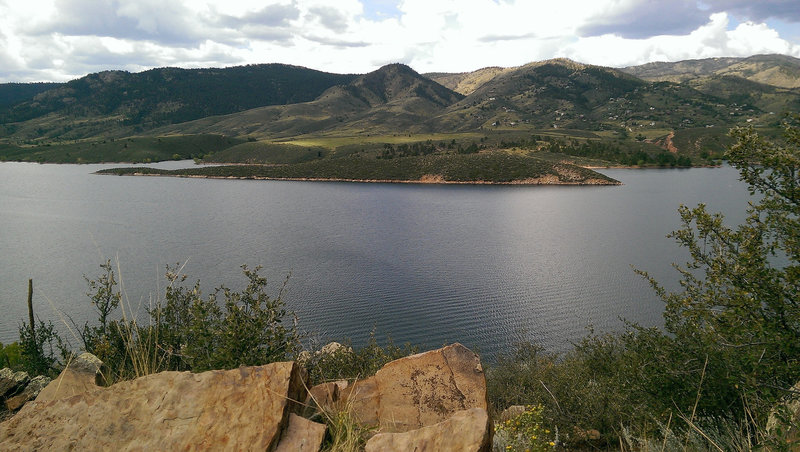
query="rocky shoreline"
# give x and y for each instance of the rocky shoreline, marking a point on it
(545, 180)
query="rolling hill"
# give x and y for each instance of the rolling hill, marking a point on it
(118, 103)
(285, 114)
(391, 99)
(777, 70)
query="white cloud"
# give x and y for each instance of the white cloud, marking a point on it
(63, 39)
(713, 39)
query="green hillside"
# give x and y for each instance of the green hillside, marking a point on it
(279, 114)
(132, 149)
(121, 103)
(782, 71)
(14, 93)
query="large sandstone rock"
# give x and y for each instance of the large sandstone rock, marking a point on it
(302, 435)
(465, 431)
(240, 409)
(82, 374)
(324, 396)
(420, 390)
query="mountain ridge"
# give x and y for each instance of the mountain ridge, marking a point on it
(340, 114)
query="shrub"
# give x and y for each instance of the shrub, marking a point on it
(188, 332)
(38, 349)
(348, 364)
(524, 432)
(10, 355)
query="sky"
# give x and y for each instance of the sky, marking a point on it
(60, 40)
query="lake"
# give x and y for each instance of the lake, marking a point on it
(486, 266)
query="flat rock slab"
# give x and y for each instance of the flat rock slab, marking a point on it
(420, 390)
(465, 431)
(239, 409)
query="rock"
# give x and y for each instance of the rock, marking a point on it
(466, 430)
(511, 412)
(301, 435)
(333, 348)
(239, 409)
(12, 382)
(34, 387)
(82, 374)
(420, 390)
(324, 396)
(363, 399)
(784, 419)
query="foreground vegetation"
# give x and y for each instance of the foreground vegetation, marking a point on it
(728, 354)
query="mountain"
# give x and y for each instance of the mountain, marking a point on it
(390, 99)
(287, 114)
(14, 93)
(776, 70)
(564, 94)
(123, 103)
(466, 82)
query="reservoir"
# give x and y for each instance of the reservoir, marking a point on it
(486, 266)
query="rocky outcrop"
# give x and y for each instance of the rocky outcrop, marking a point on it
(240, 409)
(420, 390)
(464, 431)
(429, 401)
(12, 382)
(82, 374)
(31, 391)
(17, 388)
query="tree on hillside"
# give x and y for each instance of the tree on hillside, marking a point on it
(735, 323)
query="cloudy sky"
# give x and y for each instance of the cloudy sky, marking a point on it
(58, 40)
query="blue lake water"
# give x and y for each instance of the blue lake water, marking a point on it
(486, 266)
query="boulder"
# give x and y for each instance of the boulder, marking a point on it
(12, 382)
(420, 390)
(332, 348)
(81, 374)
(239, 409)
(324, 396)
(511, 412)
(32, 389)
(466, 430)
(301, 435)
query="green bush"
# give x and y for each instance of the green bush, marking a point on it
(40, 349)
(348, 364)
(188, 332)
(731, 346)
(10, 355)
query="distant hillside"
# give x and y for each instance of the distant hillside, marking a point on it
(565, 94)
(466, 82)
(14, 93)
(777, 70)
(140, 101)
(280, 114)
(390, 99)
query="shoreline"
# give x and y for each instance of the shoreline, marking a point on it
(553, 180)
